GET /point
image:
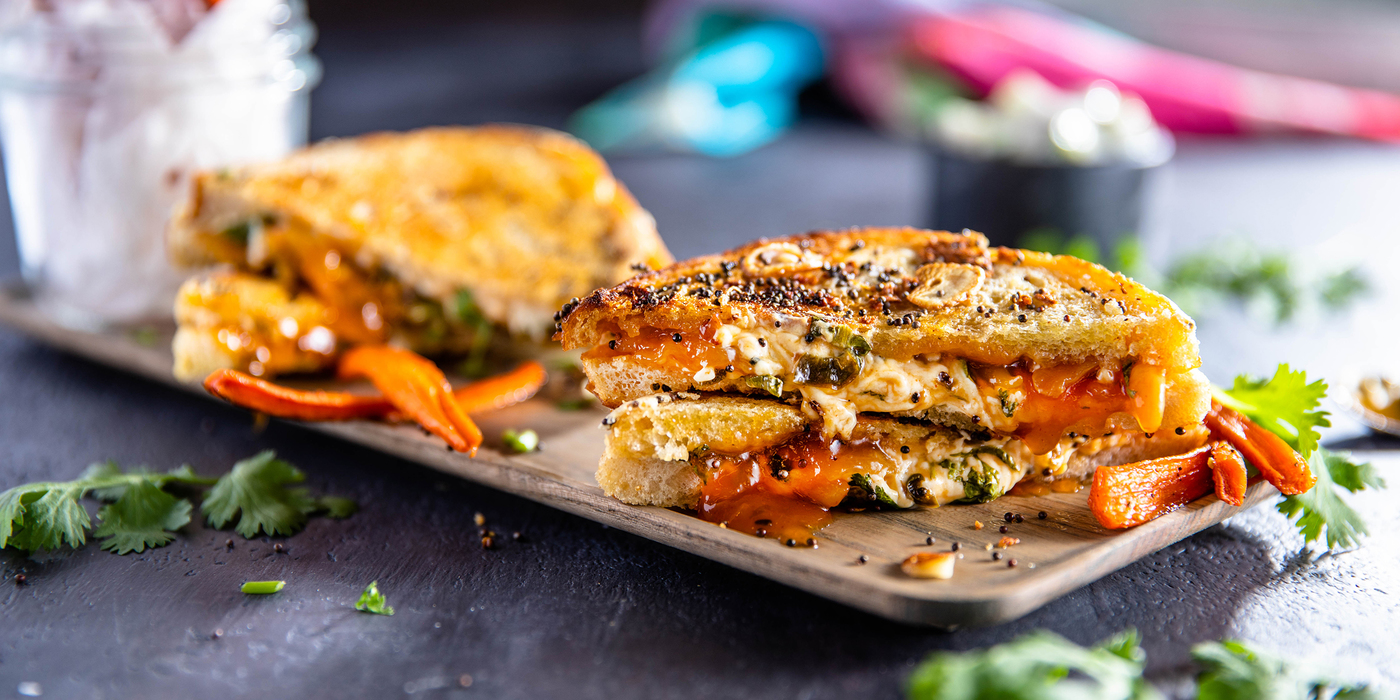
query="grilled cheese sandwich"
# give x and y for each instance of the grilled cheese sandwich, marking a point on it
(427, 239)
(921, 366)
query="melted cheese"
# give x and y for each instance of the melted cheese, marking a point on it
(883, 385)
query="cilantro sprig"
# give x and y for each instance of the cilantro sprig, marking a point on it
(1036, 666)
(1044, 666)
(1233, 671)
(1288, 405)
(139, 514)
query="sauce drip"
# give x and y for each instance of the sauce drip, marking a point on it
(785, 493)
(1029, 488)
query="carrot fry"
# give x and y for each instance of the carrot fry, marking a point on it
(417, 388)
(504, 390)
(490, 394)
(1231, 477)
(260, 395)
(1280, 465)
(265, 397)
(1132, 494)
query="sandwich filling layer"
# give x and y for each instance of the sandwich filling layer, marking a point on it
(830, 370)
(758, 466)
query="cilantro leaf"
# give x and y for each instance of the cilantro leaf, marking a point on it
(144, 516)
(12, 508)
(141, 515)
(1322, 508)
(1350, 475)
(1286, 405)
(256, 491)
(1036, 666)
(1233, 671)
(54, 517)
(372, 601)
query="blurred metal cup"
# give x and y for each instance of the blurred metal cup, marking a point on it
(1008, 200)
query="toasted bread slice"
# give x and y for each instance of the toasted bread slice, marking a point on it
(664, 449)
(422, 236)
(925, 324)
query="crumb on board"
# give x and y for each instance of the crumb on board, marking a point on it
(936, 565)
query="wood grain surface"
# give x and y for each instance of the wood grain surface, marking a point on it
(1056, 555)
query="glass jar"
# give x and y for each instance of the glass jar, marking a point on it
(103, 119)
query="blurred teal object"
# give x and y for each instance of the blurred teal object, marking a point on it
(734, 92)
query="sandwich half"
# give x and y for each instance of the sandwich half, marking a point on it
(887, 367)
(430, 239)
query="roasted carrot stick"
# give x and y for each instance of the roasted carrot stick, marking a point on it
(265, 397)
(1132, 494)
(1231, 477)
(417, 388)
(508, 389)
(1280, 465)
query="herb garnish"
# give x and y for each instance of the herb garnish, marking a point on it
(874, 490)
(262, 587)
(1008, 407)
(1232, 269)
(1044, 666)
(47, 514)
(372, 601)
(140, 514)
(1233, 671)
(1037, 666)
(256, 492)
(772, 385)
(522, 441)
(1287, 405)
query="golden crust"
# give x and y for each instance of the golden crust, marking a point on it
(870, 279)
(523, 218)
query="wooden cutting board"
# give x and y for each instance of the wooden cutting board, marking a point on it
(1056, 555)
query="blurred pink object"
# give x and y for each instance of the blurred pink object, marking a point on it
(1185, 93)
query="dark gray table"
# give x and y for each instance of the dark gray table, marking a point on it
(583, 611)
